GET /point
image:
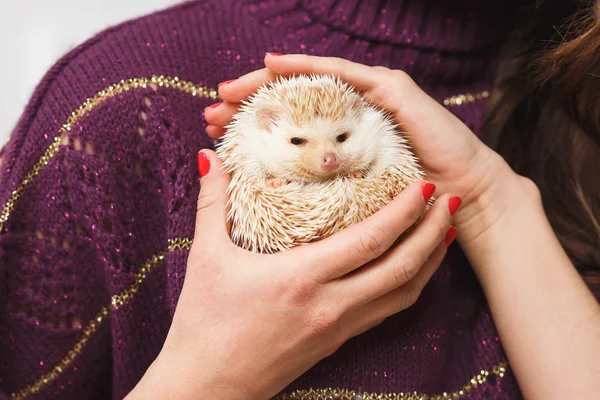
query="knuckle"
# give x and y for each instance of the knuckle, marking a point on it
(322, 321)
(206, 199)
(379, 94)
(278, 290)
(402, 78)
(383, 75)
(301, 290)
(532, 188)
(387, 88)
(411, 298)
(381, 68)
(391, 82)
(374, 242)
(404, 269)
(414, 211)
(292, 288)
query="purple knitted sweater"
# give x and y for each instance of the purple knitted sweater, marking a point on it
(98, 186)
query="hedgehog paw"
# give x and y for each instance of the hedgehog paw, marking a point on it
(355, 175)
(275, 182)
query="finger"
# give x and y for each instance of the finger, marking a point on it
(220, 114)
(429, 268)
(211, 217)
(215, 132)
(401, 264)
(362, 242)
(393, 90)
(243, 87)
(360, 76)
(373, 313)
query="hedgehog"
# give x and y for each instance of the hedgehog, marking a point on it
(309, 156)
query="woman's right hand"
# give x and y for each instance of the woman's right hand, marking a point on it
(247, 324)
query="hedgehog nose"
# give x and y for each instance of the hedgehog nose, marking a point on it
(330, 162)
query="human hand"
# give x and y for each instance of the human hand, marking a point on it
(455, 160)
(248, 324)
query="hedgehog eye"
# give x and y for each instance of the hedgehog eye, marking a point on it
(297, 141)
(342, 138)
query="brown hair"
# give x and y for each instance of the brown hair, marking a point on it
(544, 118)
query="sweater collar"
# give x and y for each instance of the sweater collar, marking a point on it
(443, 25)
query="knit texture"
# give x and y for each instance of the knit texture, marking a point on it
(80, 321)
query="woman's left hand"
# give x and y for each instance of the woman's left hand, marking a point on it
(455, 160)
(502, 227)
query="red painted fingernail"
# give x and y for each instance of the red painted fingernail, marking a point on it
(226, 82)
(454, 204)
(274, 54)
(215, 105)
(203, 164)
(450, 236)
(427, 191)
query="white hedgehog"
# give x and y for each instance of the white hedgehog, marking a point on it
(308, 156)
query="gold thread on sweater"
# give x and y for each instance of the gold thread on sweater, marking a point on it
(345, 394)
(116, 301)
(84, 109)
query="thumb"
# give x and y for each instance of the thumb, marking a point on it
(212, 200)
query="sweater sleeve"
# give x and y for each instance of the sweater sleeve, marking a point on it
(52, 274)
(87, 208)
(72, 236)
(98, 183)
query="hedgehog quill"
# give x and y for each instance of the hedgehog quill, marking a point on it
(308, 156)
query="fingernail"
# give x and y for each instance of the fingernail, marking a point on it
(450, 236)
(427, 191)
(203, 164)
(454, 204)
(274, 54)
(215, 105)
(226, 82)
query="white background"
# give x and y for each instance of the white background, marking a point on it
(36, 33)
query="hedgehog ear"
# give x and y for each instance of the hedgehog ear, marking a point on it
(267, 118)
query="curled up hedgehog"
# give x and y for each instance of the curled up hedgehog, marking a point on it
(308, 156)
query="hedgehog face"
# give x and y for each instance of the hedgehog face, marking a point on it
(309, 131)
(317, 150)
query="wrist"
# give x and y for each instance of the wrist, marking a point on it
(501, 193)
(158, 383)
(170, 377)
(166, 379)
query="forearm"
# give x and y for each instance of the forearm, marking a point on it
(548, 320)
